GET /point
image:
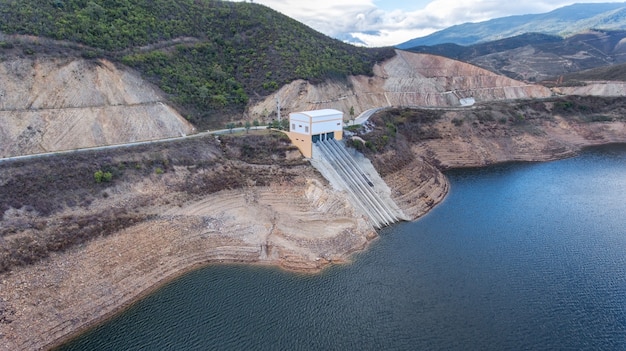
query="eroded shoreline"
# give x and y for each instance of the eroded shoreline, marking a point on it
(97, 280)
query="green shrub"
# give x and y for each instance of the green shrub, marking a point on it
(89, 54)
(99, 176)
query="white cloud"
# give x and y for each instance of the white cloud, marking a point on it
(362, 20)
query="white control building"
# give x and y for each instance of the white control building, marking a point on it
(308, 127)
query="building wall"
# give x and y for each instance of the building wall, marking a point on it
(320, 126)
(312, 122)
(299, 123)
(339, 134)
(303, 143)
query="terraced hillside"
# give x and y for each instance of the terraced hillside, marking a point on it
(408, 79)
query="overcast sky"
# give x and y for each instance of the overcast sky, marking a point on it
(391, 22)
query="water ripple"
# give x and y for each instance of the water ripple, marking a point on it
(520, 256)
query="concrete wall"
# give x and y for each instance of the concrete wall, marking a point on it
(303, 143)
(327, 125)
(339, 134)
(299, 123)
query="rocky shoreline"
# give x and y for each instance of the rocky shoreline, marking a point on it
(298, 223)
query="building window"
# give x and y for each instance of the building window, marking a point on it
(306, 129)
(338, 123)
(293, 126)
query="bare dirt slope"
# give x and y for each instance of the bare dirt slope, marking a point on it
(53, 104)
(408, 79)
(594, 88)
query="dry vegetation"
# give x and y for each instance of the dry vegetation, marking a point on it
(54, 203)
(390, 134)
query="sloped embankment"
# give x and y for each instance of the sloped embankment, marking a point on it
(408, 79)
(410, 147)
(53, 104)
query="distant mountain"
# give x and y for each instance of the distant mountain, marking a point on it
(564, 21)
(535, 57)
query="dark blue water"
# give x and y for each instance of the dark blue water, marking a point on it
(518, 257)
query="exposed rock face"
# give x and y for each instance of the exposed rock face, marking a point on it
(408, 79)
(476, 144)
(595, 88)
(481, 136)
(418, 187)
(56, 104)
(50, 105)
(274, 225)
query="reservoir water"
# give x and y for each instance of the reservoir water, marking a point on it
(527, 256)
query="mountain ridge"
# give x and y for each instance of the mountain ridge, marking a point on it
(564, 21)
(536, 57)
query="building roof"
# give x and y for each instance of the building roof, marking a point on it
(320, 113)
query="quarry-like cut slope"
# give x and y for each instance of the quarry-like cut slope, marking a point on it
(408, 79)
(595, 88)
(56, 104)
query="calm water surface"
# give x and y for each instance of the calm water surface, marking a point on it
(518, 256)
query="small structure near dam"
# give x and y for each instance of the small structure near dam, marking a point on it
(309, 127)
(318, 135)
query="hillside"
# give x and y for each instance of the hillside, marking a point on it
(210, 57)
(612, 73)
(536, 57)
(564, 21)
(86, 233)
(58, 104)
(408, 79)
(602, 81)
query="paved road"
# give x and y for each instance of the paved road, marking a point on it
(104, 147)
(365, 115)
(362, 118)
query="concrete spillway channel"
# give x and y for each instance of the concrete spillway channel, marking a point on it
(341, 169)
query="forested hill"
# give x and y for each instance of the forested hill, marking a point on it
(231, 52)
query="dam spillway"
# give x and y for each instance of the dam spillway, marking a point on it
(355, 175)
